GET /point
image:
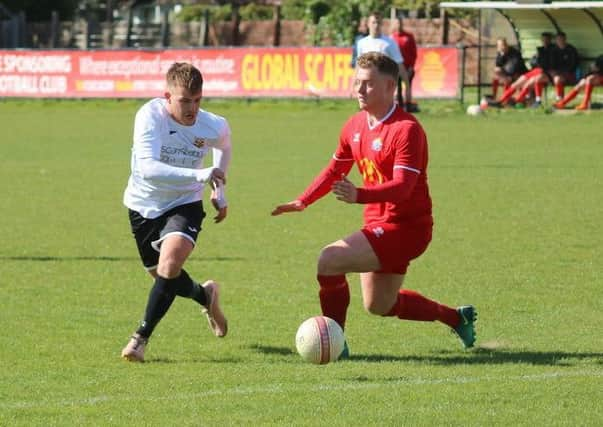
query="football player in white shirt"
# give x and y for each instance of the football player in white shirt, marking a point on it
(172, 136)
(377, 42)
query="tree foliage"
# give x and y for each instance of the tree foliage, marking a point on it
(41, 10)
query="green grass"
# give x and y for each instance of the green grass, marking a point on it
(518, 204)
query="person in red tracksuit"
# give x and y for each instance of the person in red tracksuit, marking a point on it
(408, 47)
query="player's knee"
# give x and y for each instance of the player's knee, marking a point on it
(376, 308)
(590, 79)
(169, 268)
(330, 259)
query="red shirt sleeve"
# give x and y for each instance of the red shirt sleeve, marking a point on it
(340, 164)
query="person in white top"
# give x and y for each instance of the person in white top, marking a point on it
(172, 136)
(377, 42)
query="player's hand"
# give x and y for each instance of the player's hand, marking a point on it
(294, 206)
(217, 176)
(345, 190)
(219, 206)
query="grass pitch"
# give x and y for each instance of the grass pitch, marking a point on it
(518, 207)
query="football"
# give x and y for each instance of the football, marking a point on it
(474, 110)
(319, 340)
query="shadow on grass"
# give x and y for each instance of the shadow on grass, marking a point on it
(477, 356)
(489, 357)
(269, 349)
(168, 361)
(99, 258)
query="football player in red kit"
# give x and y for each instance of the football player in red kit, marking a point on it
(389, 148)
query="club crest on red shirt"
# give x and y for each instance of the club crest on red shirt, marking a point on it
(377, 144)
(199, 142)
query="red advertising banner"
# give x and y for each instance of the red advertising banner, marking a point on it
(227, 72)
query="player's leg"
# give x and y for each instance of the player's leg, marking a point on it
(351, 254)
(559, 83)
(399, 93)
(526, 88)
(589, 83)
(496, 81)
(508, 93)
(571, 95)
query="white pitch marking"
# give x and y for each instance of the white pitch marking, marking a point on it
(278, 389)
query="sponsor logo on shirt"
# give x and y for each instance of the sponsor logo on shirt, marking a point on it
(377, 144)
(199, 142)
(356, 137)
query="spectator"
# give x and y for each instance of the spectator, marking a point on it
(361, 32)
(408, 47)
(509, 65)
(377, 42)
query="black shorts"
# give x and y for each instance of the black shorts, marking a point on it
(184, 220)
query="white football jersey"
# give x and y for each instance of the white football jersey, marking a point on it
(381, 44)
(167, 164)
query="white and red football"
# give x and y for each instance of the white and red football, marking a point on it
(319, 340)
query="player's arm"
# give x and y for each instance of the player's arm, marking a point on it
(320, 186)
(147, 150)
(221, 154)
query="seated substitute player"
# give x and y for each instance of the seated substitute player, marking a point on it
(564, 63)
(509, 65)
(172, 135)
(594, 78)
(541, 63)
(389, 147)
(377, 42)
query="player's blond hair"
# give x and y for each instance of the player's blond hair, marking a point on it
(184, 75)
(383, 63)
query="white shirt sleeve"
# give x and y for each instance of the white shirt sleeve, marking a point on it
(221, 152)
(148, 129)
(393, 51)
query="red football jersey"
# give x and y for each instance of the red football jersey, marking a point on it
(398, 141)
(408, 46)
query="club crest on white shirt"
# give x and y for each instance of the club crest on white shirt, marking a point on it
(199, 142)
(377, 144)
(356, 137)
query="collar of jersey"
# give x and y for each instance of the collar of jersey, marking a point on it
(389, 113)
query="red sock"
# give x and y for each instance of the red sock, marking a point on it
(412, 305)
(559, 89)
(588, 91)
(494, 88)
(334, 297)
(523, 93)
(538, 90)
(507, 86)
(508, 93)
(571, 95)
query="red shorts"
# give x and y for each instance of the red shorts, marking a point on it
(397, 244)
(569, 78)
(534, 72)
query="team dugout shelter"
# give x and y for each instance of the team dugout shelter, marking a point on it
(523, 22)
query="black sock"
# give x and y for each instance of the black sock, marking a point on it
(160, 299)
(184, 286)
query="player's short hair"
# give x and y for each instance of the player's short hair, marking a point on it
(546, 34)
(376, 14)
(561, 34)
(185, 75)
(383, 63)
